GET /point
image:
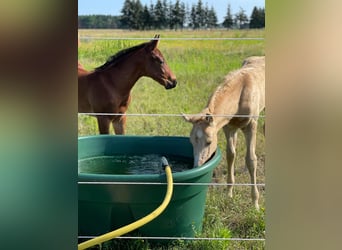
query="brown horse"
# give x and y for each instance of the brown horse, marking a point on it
(234, 105)
(107, 89)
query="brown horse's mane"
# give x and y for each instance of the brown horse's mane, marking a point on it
(114, 59)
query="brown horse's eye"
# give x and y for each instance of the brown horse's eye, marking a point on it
(158, 59)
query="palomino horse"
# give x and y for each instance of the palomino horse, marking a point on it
(234, 105)
(107, 89)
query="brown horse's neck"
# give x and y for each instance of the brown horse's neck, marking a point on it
(128, 71)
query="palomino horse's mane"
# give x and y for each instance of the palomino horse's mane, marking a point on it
(118, 56)
(228, 83)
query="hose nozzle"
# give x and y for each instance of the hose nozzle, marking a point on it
(164, 162)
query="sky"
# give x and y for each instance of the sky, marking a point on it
(113, 7)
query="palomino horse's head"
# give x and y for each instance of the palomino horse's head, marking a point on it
(203, 137)
(156, 66)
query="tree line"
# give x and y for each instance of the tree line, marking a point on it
(168, 15)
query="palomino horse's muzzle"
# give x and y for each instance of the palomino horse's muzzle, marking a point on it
(170, 84)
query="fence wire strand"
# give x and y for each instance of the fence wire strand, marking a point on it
(164, 183)
(173, 115)
(174, 38)
(178, 238)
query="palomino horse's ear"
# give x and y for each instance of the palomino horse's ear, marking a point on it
(209, 118)
(200, 117)
(192, 118)
(186, 117)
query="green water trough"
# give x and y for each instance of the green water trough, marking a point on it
(106, 207)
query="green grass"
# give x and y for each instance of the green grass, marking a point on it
(200, 66)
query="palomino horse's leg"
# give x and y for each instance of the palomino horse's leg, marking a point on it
(251, 158)
(103, 123)
(119, 125)
(231, 137)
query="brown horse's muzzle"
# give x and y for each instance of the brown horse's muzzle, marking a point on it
(170, 84)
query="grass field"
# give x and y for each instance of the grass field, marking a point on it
(200, 66)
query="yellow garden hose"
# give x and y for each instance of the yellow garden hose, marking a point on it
(139, 223)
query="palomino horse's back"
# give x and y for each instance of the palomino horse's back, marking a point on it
(254, 61)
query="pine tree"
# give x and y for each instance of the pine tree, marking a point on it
(182, 15)
(262, 17)
(175, 18)
(193, 18)
(257, 19)
(197, 16)
(167, 14)
(132, 14)
(152, 16)
(146, 19)
(127, 12)
(159, 14)
(241, 18)
(137, 15)
(228, 20)
(200, 14)
(188, 15)
(211, 18)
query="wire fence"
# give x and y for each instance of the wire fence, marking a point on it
(88, 237)
(174, 115)
(84, 237)
(174, 38)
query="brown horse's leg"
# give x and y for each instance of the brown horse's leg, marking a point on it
(251, 158)
(119, 125)
(103, 124)
(231, 137)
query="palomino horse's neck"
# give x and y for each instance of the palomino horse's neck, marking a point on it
(220, 110)
(238, 95)
(219, 120)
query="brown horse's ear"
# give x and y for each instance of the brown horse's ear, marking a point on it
(154, 43)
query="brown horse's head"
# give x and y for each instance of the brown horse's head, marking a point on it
(203, 137)
(156, 66)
